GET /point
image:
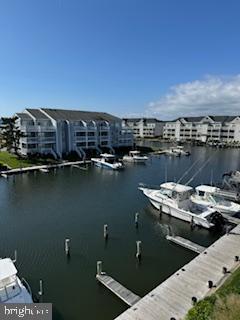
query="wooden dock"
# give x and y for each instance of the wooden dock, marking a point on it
(119, 290)
(44, 167)
(186, 243)
(173, 298)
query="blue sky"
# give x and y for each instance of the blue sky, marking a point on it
(126, 57)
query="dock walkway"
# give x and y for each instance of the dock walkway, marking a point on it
(119, 290)
(186, 243)
(46, 166)
(173, 298)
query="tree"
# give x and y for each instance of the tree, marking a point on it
(10, 135)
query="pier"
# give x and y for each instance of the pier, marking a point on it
(42, 167)
(186, 243)
(173, 298)
(231, 219)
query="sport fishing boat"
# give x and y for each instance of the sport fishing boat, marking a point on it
(175, 199)
(108, 161)
(12, 289)
(208, 196)
(135, 156)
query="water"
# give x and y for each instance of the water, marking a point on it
(39, 211)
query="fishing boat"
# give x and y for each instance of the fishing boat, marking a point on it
(180, 150)
(12, 289)
(175, 200)
(172, 152)
(135, 156)
(209, 196)
(108, 161)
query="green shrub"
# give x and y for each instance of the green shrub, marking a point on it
(202, 310)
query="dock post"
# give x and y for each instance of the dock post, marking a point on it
(105, 231)
(67, 247)
(40, 292)
(99, 268)
(139, 250)
(236, 258)
(15, 256)
(136, 219)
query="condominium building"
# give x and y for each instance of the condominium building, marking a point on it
(204, 129)
(59, 132)
(144, 127)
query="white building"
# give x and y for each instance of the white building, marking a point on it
(144, 127)
(59, 132)
(204, 129)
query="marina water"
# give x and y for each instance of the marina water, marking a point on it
(38, 211)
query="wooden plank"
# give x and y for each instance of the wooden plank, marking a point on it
(173, 298)
(119, 290)
(186, 243)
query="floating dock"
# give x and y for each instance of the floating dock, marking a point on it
(231, 219)
(119, 290)
(186, 243)
(174, 297)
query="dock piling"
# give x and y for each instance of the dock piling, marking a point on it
(99, 268)
(139, 250)
(15, 256)
(105, 231)
(136, 219)
(40, 292)
(67, 247)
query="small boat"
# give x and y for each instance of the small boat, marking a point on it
(107, 161)
(173, 152)
(208, 196)
(135, 156)
(12, 289)
(175, 200)
(181, 151)
(4, 175)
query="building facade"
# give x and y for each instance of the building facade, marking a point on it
(224, 129)
(58, 132)
(144, 127)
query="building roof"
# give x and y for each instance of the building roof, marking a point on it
(214, 118)
(148, 120)
(205, 188)
(7, 268)
(76, 115)
(23, 116)
(37, 114)
(176, 187)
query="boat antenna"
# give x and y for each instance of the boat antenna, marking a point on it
(189, 169)
(200, 169)
(166, 173)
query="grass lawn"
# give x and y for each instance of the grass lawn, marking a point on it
(223, 305)
(14, 162)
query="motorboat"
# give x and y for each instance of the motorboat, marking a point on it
(208, 196)
(180, 150)
(175, 200)
(173, 152)
(135, 156)
(108, 161)
(12, 289)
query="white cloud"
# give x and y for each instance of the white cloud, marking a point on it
(212, 95)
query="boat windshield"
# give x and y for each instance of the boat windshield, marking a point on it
(220, 200)
(166, 192)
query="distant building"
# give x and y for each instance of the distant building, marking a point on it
(59, 132)
(204, 129)
(144, 127)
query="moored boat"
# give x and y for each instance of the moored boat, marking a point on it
(209, 196)
(12, 289)
(107, 161)
(175, 199)
(135, 156)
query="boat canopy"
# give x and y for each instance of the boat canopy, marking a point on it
(179, 188)
(208, 189)
(7, 269)
(134, 152)
(107, 155)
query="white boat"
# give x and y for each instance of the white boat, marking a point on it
(44, 170)
(180, 150)
(175, 199)
(207, 196)
(173, 152)
(135, 156)
(12, 289)
(107, 161)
